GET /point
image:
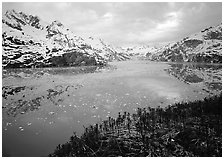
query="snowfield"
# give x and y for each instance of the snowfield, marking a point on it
(30, 42)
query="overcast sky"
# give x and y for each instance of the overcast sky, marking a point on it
(128, 23)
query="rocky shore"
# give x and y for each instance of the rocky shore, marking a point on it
(185, 130)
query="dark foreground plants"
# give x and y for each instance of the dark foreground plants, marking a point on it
(183, 129)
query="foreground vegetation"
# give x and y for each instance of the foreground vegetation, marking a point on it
(183, 129)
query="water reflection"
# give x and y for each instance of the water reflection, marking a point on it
(43, 107)
(65, 71)
(208, 76)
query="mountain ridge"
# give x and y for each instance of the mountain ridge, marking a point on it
(27, 41)
(30, 42)
(204, 46)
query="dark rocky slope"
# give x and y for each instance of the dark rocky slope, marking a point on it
(27, 41)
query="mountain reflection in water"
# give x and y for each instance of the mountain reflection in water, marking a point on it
(207, 75)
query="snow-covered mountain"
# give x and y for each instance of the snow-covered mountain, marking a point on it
(139, 50)
(30, 42)
(110, 52)
(145, 50)
(27, 41)
(205, 46)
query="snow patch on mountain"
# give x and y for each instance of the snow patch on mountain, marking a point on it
(30, 42)
(205, 46)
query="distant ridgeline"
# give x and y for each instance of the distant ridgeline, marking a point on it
(183, 129)
(205, 47)
(27, 41)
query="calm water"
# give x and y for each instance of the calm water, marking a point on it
(43, 107)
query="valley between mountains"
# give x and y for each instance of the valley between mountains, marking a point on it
(55, 82)
(29, 42)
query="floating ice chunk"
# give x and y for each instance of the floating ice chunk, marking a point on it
(51, 113)
(8, 123)
(21, 128)
(98, 95)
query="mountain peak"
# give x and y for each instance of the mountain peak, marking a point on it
(58, 23)
(18, 19)
(28, 42)
(10, 12)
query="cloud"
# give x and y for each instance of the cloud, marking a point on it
(171, 22)
(108, 15)
(128, 23)
(159, 30)
(62, 5)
